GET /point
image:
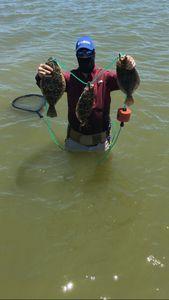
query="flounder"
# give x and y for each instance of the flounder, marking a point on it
(84, 104)
(128, 80)
(53, 86)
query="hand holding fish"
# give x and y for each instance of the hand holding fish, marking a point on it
(52, 84)
(130, 64)
(44, 69)
(128, 60)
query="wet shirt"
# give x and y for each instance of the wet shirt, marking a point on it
(99, 119)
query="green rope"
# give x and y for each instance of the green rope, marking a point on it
(112, 144)
(66, 69)
(51, 132)
(113, 141)
(105, 69)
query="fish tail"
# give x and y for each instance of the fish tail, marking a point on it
(51, 112)
(129, 100)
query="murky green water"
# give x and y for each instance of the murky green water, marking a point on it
(71, 228)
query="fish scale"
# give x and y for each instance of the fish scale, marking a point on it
(53, 86)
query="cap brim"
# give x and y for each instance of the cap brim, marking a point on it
(84, 47)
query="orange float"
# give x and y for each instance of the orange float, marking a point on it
(123, 114)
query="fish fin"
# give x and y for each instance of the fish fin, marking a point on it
(51, 112)
(129, 100)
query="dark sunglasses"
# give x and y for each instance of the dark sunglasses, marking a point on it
(82, 53)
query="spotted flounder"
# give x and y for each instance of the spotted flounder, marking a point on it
(84, 104)
(128, 80)
(53, 86)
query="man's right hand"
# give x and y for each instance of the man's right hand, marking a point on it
(43, 70)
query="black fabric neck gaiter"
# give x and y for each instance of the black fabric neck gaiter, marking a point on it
(86, 65)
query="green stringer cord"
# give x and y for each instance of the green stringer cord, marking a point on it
(112, 144)
(115, 137)
(51, 132)
(105, 69)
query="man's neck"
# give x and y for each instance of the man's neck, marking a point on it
(85, 75)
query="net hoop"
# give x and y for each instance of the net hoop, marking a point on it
(42, 103)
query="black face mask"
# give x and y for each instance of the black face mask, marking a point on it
(86, 65)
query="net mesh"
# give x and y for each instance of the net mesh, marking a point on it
(31, 102)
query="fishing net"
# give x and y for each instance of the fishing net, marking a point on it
(34, 103)
(31, 102)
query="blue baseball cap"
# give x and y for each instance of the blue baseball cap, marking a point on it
(85, 42)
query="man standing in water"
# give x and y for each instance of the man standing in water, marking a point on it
(96, 136)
